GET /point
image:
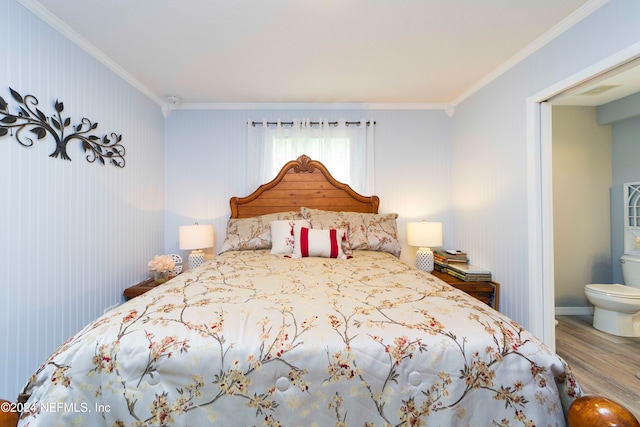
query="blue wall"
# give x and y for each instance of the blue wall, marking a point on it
(73, 234)
(491, 159)
(626, 168)
(206, 164)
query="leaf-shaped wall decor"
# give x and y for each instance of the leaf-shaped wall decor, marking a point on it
(107, 148)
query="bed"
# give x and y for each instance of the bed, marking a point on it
(306, 318)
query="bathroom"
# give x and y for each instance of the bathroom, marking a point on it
(596, 149)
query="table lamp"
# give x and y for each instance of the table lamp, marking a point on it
(195, 238)
(424, 235)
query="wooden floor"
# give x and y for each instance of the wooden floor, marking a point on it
(603, 364)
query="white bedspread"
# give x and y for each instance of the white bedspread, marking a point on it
(254, 339)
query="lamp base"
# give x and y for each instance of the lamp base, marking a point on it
(424, 259)
(196, 259)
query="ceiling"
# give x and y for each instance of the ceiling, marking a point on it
(308, 51)
(615, 84)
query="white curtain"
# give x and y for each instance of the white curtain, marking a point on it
(346, 149)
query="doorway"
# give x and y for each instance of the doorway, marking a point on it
(540, 188)
(582, 181)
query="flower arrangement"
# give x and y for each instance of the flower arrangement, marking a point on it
(162, 263)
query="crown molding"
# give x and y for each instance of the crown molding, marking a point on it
(43, 13)
(36, 8)
(571, 20)
(307, 106)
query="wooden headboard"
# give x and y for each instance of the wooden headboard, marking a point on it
(302, 182)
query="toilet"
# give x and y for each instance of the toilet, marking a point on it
(617, 307)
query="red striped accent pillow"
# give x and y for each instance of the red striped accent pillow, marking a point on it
(310, 242)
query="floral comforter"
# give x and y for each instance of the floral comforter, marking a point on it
(254, 339)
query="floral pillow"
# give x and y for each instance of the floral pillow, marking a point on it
(327, 220)
(253, 233)
(310, 242)
(365, 231)
(282, 235)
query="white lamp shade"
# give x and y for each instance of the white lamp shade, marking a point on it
(196, 236)
(424, 234)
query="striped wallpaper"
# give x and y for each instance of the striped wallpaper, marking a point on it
(73, 234)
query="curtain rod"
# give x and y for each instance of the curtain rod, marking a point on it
(334, 123)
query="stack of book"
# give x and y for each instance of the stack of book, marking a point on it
(468, 273)
(442, 259)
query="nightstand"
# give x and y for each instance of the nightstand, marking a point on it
(487, 292)
(139, 289)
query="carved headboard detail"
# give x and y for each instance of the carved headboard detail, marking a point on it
(302, 182)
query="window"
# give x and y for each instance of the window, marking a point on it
(345, 148)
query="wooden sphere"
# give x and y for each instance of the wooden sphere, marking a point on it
(595, 411)
(7, 418)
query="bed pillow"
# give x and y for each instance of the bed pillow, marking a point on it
(253, 233)
(312, 242)
(365, 231)
(282, 235)
(327, 220)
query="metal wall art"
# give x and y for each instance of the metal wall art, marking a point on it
(30, 119)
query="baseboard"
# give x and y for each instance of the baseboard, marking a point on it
(574, 311)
